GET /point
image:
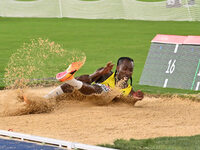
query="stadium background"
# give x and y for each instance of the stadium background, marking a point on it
(185, 10)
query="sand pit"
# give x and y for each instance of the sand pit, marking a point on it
(85, 122)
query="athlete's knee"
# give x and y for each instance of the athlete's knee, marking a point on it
(67, 88)
(88, 89)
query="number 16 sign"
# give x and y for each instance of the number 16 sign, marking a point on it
(173, 61)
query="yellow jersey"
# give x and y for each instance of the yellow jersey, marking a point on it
(110, 82)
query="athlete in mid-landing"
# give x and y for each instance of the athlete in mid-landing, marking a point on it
(100, 81)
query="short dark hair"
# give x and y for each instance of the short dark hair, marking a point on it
(120, 60)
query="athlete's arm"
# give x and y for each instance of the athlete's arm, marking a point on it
(98, 76)
(101, 72)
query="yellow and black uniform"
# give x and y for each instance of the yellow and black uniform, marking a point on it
(109, 81)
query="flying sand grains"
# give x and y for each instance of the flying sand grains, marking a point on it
(37, 61)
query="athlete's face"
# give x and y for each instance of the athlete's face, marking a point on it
(125, 70)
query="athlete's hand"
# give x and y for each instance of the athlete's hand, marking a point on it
(139, 95)
(100, 72)
(106, 69)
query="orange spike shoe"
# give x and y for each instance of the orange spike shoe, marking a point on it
(69, 73)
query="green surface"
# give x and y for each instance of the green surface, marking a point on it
(101, 40)
(151, 0)
(163, 143)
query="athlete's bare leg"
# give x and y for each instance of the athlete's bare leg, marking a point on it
(82, 83)
(86, 88)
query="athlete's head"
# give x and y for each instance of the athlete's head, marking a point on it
(124, 70)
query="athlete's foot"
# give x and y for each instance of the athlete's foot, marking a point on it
(69, 73)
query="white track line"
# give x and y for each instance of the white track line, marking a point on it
(60, 143)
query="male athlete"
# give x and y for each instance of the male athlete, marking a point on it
(100, 81)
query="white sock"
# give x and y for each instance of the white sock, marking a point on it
(55, 92)
(75, 83)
